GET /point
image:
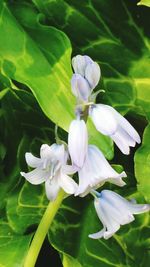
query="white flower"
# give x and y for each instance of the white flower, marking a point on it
(109, 122)
(52, 169)
(78, 142)
(80, 87)
(113, 211)
(88, 69)
(96, 171)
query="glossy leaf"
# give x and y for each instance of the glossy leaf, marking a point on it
(144, 3)
(142, 165)
(13, 247)
(44, 56)
(74, 221)
(115, 39)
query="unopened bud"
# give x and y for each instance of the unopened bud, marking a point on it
(80, 87)
(80, 63)
(92, 74)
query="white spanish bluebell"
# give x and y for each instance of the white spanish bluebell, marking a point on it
(113, 211)
(52, 169)
(96, 171)
(78, 142)
(111, 123)
(86, 77)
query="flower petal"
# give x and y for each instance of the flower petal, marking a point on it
(98, 234)
(59, 153)
(32, 161)
(78, 142)
(117, 211)
(123, 140)
(113, 211)
(79, 63)
(36, 176)
(52, 188)
(80, 87)
(67, 184)
(45, 151)
(121, 143)
(69, 169)
(103, 119)
(96, 170)
(104, 216)
(126, 125)
(138, 208)
(92, 74)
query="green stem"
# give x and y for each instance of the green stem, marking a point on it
(42, 230)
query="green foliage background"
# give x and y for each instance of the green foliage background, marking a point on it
(37, 40)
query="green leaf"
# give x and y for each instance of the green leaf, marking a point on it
(111, 34)
(3, 92)
(39, 57)
(70, 261)
(23, 205)
(142, 165)
(73, 223)
(144, 3)
(13, 247)
(2, 151)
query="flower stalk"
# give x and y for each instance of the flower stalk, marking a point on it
(42, 230)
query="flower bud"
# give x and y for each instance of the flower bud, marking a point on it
(79, 64)
(78, 142)
(92, 74)
(80, 87)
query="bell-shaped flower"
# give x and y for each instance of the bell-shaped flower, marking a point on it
(113, 211)
(110, 122)
(88, 69)
(80, 87)
(52, 169)
(96, 171)
(78, 142)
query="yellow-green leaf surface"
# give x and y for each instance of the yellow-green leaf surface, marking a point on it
(13, 247)
(39, 56)
(116, 34)
(142, 165)
(144, 3)
(75, 220)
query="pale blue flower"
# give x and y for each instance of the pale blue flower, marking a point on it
(113, 211)
(96, 171)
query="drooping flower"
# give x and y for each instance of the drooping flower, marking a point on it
(78, 142)
(96, 171)
(86, 77)
(110, 122)
(52, 169)
(113, 211)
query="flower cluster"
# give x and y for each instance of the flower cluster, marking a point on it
(87, 159)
